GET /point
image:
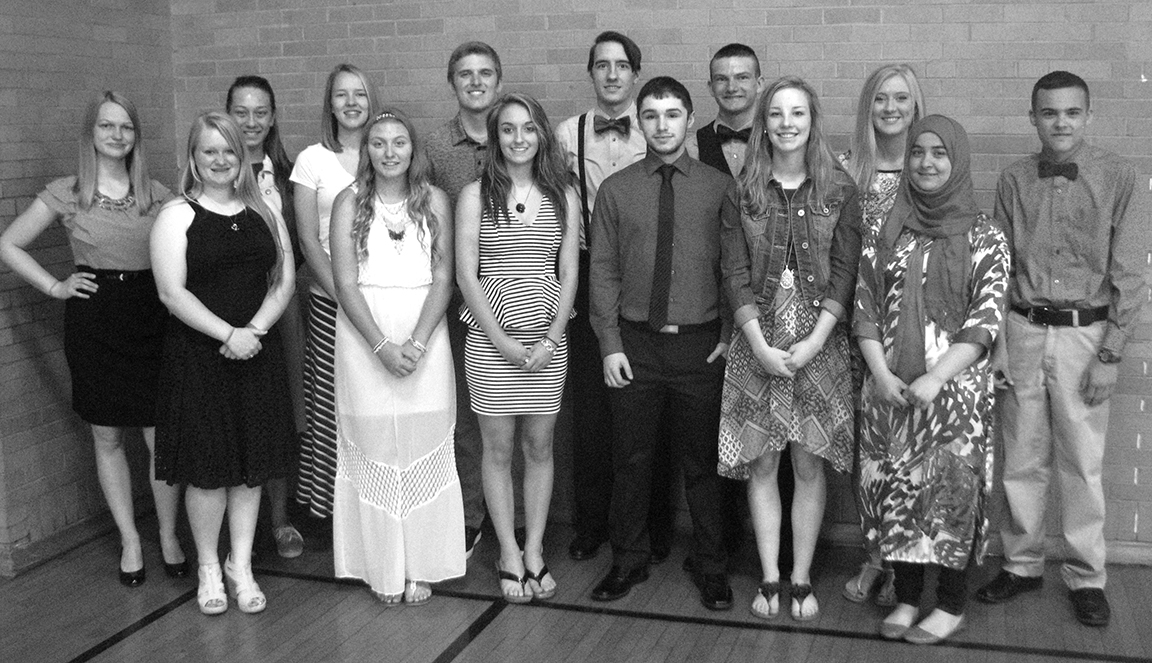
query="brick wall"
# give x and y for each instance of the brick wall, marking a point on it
(977, 62)
(55, 56)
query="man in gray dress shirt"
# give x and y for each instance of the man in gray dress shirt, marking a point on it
(1078, 229)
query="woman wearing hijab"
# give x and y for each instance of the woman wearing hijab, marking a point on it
(929, 302)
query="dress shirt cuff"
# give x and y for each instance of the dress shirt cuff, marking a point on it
(974, 335)
(834, 307)
(610, 342)
(744, 314)
(865, 329)
(1114, 339)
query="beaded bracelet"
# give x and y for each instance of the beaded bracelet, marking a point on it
(376, 348)
(418, 345)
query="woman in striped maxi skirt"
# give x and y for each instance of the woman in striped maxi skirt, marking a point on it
(321, 172)
(516, 254)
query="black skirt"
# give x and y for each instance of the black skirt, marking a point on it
(112, 342)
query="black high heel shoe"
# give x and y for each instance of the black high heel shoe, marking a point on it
(177, 570)
(132, 578)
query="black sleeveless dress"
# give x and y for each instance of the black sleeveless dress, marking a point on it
(224, 422)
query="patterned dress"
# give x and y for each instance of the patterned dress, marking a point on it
(760, 412)
(925, 474)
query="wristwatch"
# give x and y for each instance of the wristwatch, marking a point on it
(1107, 356)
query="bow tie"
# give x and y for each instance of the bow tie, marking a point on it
(1051, 169)
(620, 125)
(725, 134)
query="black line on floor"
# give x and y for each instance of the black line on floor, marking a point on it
(135, 627)
(473, 631)
(498, 607)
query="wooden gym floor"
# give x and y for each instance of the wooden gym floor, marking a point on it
(73, 609)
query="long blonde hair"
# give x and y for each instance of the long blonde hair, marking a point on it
(862, 153)
(419, 200)
(819, 161)
(246, 188)
(137, 165)
(329, 127)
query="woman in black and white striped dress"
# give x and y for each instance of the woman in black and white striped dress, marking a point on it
(516, 252)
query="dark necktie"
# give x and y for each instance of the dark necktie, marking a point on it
(727, 134)
(620, 124)
(662, 271)
(1051, 169)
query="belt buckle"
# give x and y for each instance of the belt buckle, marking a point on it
(670, 329)
(1075, 317)
(1030, 317)
(121, 277)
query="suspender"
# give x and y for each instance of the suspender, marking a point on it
(583, 178)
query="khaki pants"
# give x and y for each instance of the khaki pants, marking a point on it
(1051, 434)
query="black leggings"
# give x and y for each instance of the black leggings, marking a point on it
(951, 588)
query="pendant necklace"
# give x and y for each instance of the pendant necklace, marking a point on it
(787, 277)
(520, 205)
(394, 216)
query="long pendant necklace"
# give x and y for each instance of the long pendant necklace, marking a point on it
(787, 277)
(520, 205)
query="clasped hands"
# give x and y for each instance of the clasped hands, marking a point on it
(528, 359)
(242, 343)
(400, 359)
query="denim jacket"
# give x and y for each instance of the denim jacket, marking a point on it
(826, 241)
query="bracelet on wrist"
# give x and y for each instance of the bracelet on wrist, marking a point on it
(418, 345)
(548, 344)
(376, 348)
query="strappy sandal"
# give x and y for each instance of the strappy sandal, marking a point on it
(410, 587)
(210, 594)
(799, 593)
(506, 576)
(861, 584)
(242, 586)
(769, 590)
(886, 597)
(538, 578)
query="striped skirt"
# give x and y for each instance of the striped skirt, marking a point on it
(497, 388)
(318, 443)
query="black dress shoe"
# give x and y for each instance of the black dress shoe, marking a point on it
(618, 583)
(583, 547)
(715, 592)
(1006, 585)
(1091, 606)
(132, 578)
(178, 570)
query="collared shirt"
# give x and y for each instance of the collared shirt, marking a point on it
(734, 150)
(1081, 243)
(624, 224)
(604, 154)
(455, 157)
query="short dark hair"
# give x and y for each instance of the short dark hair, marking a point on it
(1055, 80)
(474, 48)
(631, 50)
(662, 87)
(734, 50)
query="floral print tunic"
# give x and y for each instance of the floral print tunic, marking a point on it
(924, 475)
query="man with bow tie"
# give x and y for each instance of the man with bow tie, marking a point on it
(597, 144)
(735, 82)
(1078, 227)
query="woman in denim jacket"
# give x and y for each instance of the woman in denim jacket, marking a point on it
(790, 274)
